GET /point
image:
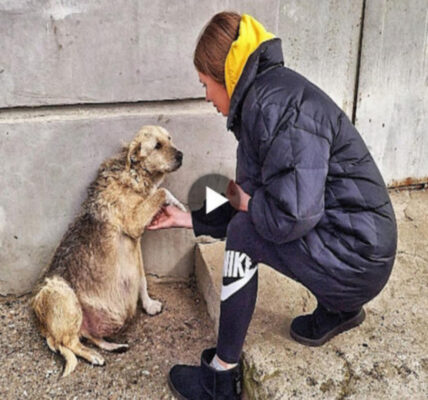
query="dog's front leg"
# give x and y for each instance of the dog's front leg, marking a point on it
(150, 306)
(144, 211)
(142, 214)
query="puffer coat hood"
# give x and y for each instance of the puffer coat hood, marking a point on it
(309, 173)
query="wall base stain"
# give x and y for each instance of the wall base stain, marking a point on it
(409, 183)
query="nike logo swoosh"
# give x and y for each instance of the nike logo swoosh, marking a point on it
(232, 288)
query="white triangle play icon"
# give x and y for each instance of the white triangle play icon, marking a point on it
(214, 199)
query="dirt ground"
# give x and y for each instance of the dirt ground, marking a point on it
(29, 370)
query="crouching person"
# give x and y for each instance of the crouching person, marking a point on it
(308, 201)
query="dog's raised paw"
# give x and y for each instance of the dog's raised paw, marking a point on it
(172, 200)
(153, 307)
(181, 207)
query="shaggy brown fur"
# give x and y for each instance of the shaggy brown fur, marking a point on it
(92, 286)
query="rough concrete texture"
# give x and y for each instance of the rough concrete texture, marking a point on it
(384, 358)
(30, 371)
(70, 52)
(144, 49)
(393, 88)
(48, 160)
(321, 42)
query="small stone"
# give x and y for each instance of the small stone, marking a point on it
(311, 381)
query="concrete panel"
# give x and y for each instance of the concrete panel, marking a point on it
(392, 112)
(50, 157)
(320, 40)
(70, 52)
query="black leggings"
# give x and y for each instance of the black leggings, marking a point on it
(245, 248)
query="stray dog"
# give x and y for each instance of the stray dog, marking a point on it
(92, 285)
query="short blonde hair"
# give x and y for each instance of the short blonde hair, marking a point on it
(214, 43)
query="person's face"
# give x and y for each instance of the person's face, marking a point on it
(216, 93)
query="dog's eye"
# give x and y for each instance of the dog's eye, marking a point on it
(158, 146)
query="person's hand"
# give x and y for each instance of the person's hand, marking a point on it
(170, 217)
(237, 197)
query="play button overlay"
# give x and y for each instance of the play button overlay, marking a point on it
(198, 197)
(213, 200)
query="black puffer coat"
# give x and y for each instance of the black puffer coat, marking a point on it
(310, 175)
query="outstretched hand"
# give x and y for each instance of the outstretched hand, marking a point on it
(237, 197)
(170, 217)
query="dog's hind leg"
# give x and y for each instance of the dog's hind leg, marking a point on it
(60, 315)
(51, 343)
(102, 344)
(82, 351)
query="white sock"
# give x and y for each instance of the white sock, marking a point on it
(219, 367)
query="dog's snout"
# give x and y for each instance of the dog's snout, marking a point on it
(179, 156)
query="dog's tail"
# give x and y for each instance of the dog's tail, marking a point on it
(70, 360)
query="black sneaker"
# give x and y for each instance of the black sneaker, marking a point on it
(319, 327)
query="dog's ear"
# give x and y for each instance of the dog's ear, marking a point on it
(133, 151)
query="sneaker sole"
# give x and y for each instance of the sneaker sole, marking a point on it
(345, 326)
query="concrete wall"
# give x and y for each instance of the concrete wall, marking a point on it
(57, 55)
(78, 77)
(321, 40)
(392, 109)
(102, 51)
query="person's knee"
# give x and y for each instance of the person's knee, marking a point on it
(239, 220)
(239, 232)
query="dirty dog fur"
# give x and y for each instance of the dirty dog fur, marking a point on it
(96, 276)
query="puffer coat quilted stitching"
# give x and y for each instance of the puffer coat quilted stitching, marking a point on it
(310, 175)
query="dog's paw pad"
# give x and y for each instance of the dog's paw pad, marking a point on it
(153, 307)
